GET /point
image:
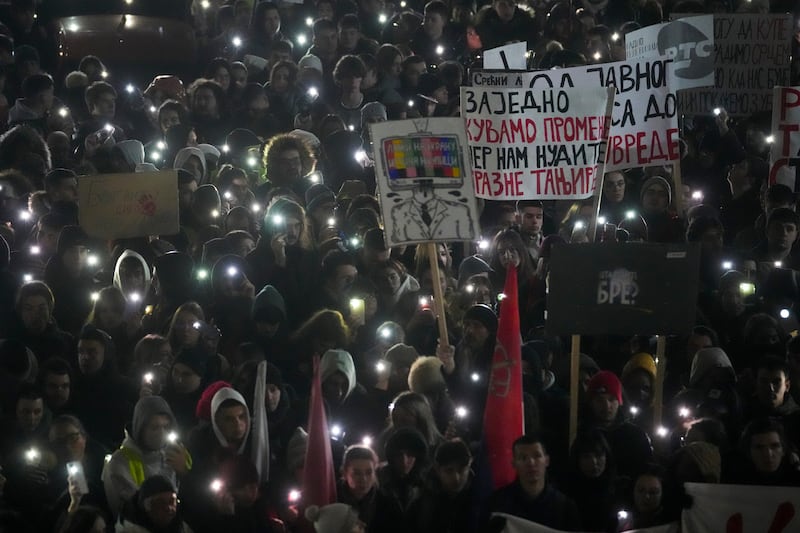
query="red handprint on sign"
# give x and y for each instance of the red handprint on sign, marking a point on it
(147, 205)
(783, 515)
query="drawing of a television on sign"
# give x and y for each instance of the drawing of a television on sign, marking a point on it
(435, 160)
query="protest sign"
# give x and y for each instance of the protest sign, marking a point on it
(752, 54)
(423, 178)
(644, 124)
(688, 42)
(515, 524)
(507, 57)
(536, 143)
(785, 152)
(741, 509)
(117, 206)
(621, 289)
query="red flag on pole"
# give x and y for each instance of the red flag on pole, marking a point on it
(319, 481)
(503, 418)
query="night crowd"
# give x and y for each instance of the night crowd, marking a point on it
(162, 383)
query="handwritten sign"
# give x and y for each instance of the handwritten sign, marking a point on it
(741, 509)
(536, 143)
(116, 206)
(785, 153)
(688, 42)
(751, 56)
(506, 57)
(644, 121)
(423, 175)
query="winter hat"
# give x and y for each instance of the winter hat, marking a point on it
(373, 110)
(153, 486)
(194, 358)
(643, 361)
(317, 195)
(71, 236)
(471, 266)
(483, 314)
(656, 180)
(132, 150)
(309, 138)
(402, 355)
(588, 364)
(269, 306)
(274, 376)
(203, 409)
(174, 270)
(333, 518)
(705, 361)
(310, 61)
(707, 458)
(296, 449)
(426, 375)
(605, 382)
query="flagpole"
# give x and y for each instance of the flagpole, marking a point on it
(574, 368)
(661, 365)
(438, 295)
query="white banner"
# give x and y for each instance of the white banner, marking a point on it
(751, 56)
(689, 42)
(644, 121)
(785, 154)
(506, 57)
(536, 143)
(741, 509)
(515, 524)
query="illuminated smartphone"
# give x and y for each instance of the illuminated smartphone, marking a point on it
(75, 471)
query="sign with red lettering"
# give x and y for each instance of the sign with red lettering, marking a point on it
(752, 54)
(644, 121)
(536, 143)
(423, 176)
(741, 509)
(688, 42)
(785, 154)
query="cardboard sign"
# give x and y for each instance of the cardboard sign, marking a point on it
(623, 289)
(752, 55)
(644, 121)
(536, 143)
(741, 509)
(116, 206)
(515, 524)
(785, 152)
(506, 57)
(423, 178)
(688, 42)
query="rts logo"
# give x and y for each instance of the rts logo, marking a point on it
(617, 287)
(691, 50)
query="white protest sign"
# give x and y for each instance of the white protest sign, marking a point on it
(751, 56)
(689, 42)
(741, 509)
(423, 178)
(129, 205)
(644, 125)
(785, 151)
(514, 524)
(506, 57)
(536, 143)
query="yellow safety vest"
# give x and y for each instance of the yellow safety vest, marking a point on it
(136, 466)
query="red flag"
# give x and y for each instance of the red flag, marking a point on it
(319, 481)
(502, 419)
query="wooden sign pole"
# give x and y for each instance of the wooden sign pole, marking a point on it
(574, 371)
(661, 366)
(438, 294)
(677, 185)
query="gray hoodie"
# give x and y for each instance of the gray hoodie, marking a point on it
(118, 478)
(147, 274)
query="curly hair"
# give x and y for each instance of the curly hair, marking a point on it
(282, 142)
(18, 142)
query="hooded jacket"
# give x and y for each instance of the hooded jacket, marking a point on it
(132, 464)
(184, 154)
(223, 394)
(338, 360)
(705, 361)
(145, 267)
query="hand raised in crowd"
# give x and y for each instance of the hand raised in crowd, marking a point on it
(446, 355)
(278, 246)
(175, 456)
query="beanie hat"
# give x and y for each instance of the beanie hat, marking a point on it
(426, 375)
(296, 449)
(310, 61)
(643, 361)
(605, 382)
(588, 364)
(274, 376)
(203, 409)
(333, 518)
(318, 194)
(471, 266)
(707, 458)
(194, 358)
(309, 138)
(656, 180)
(402, 355)
(483, 314)
(154, 485)
(373, 110)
